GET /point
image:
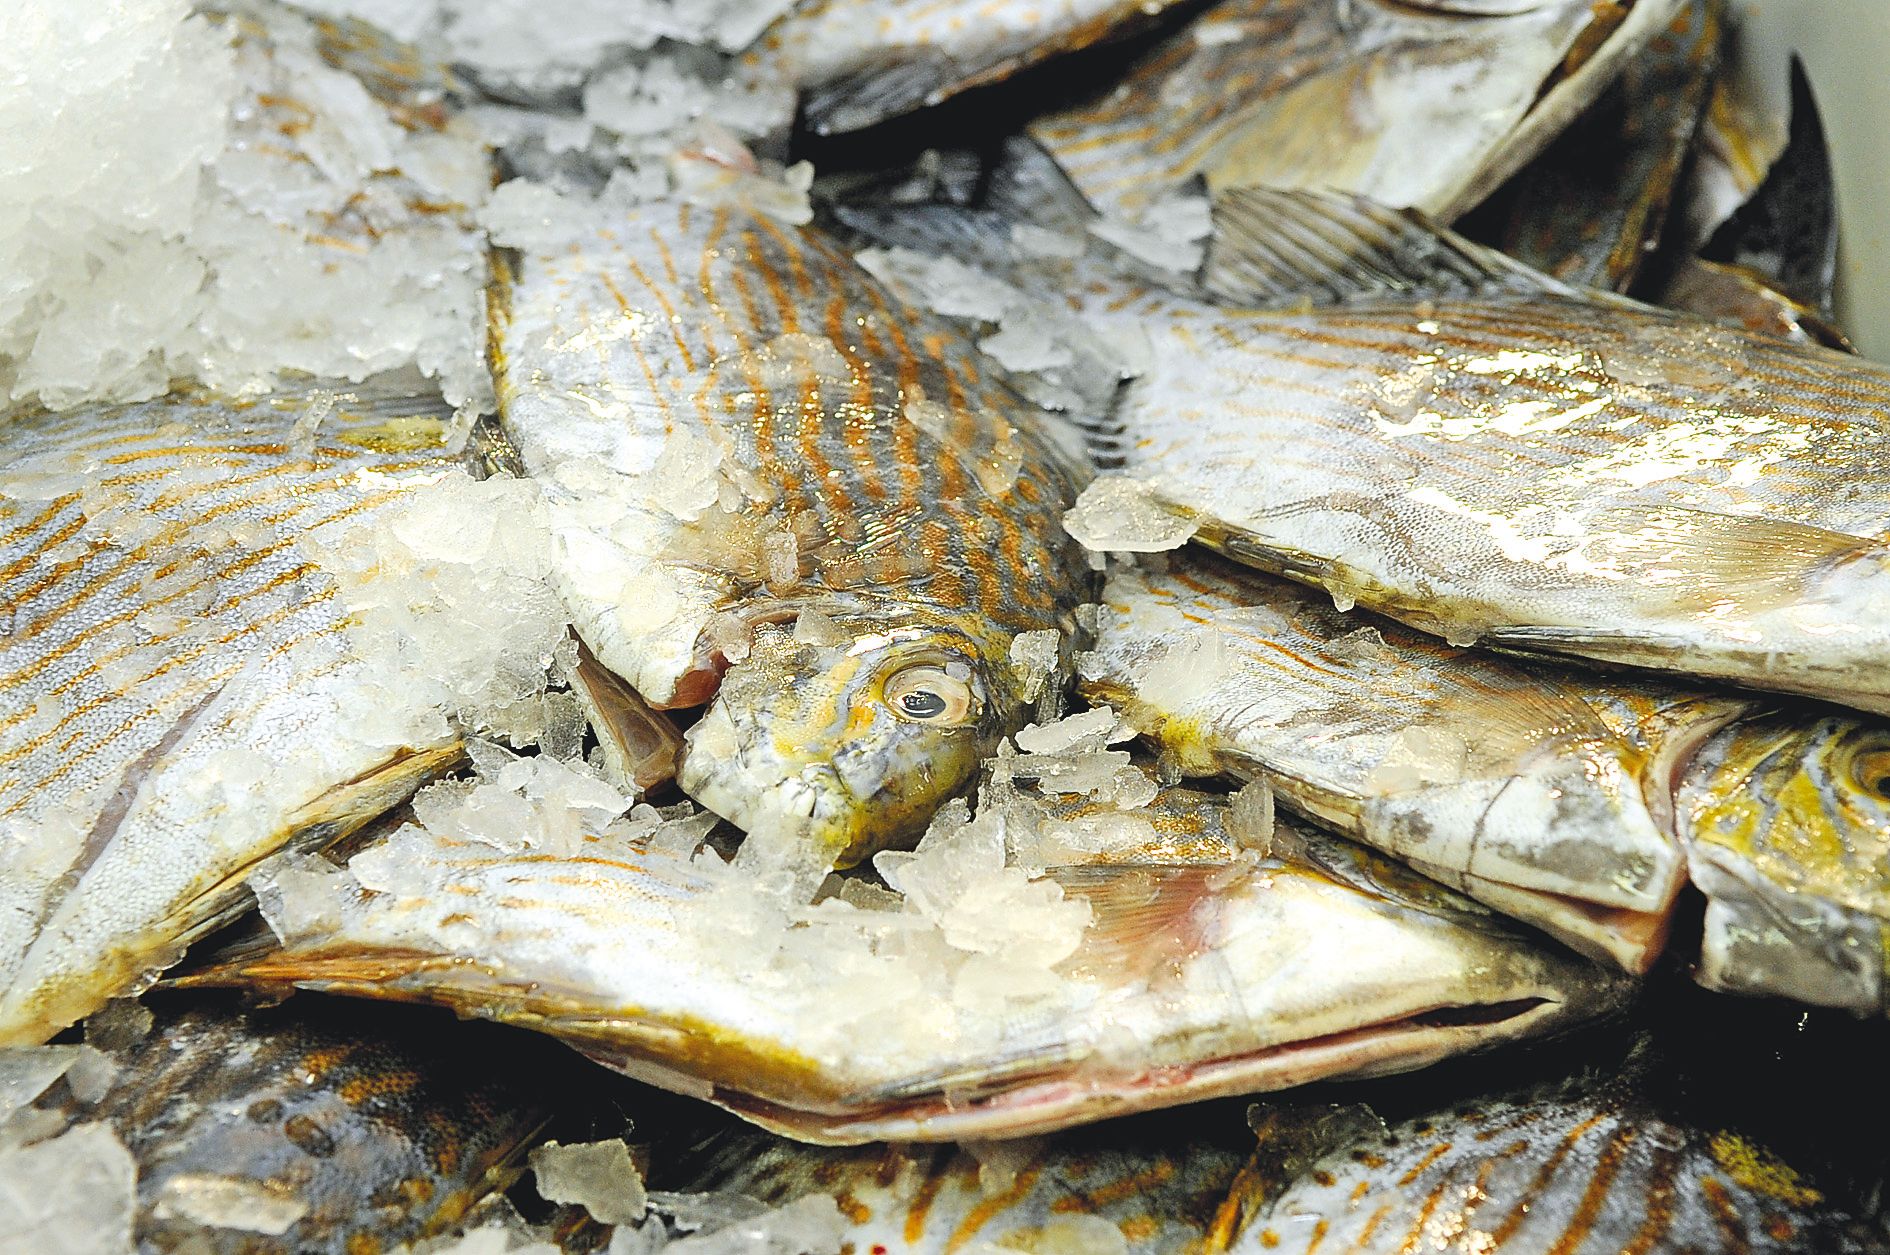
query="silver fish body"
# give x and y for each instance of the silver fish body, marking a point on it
(1542, 793)
(855, 1021)
(776, 487)
(185, 696)
(1536, 469)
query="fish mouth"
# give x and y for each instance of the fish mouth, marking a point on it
(786, 809)
(1039, 1097)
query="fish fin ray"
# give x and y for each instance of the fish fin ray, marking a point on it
(1762, 562)
(908, 79)
(1275, 247)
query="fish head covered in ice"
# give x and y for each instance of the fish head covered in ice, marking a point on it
(840, 735)
(1787, 823)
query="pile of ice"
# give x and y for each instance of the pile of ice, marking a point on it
(964, 940)
(205, 197)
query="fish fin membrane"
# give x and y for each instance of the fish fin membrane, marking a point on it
(1273, 247)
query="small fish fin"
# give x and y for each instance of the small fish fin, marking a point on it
(902, 81)
(1142, 915)
(980, 238)
(641, 745)
(1027, 185)
(1272, 247)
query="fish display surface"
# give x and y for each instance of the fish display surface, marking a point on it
(779, 492)
(1083, 678)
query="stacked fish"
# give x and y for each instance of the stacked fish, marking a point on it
(1136, 611)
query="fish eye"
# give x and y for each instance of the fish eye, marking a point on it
(1872, 772)
(928, 694)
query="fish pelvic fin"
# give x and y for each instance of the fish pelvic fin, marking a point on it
(1273, 247)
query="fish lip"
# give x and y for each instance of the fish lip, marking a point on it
(927, 1111)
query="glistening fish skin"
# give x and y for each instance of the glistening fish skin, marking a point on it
(1544, 793)
(182, 696)
(1534, 467)
(859, 62)
(353, 1129)
(741, 429)
(1427, 103)
(1191, 982)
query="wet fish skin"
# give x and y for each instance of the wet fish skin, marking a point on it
(1788, 824)
(170, 632)
(1532, 467)
(1431, 103)
(861, 62)
(853, 465)
(1193, 982)
(354, 1129)
(1543, 793)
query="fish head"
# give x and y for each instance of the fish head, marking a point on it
(846, 739)
(1805, 801)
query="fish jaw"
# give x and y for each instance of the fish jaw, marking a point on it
(803, 746)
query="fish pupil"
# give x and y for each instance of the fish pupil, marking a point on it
(921, 704)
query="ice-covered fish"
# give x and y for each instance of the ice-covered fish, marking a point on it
(992, 999)
(777, 488)
(1425, 103)
(1542, 792)
(294, 1130)
(1440, 435)
(1591, 208)
(859, 62)
(206, 658)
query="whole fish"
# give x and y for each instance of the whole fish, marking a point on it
(867, 1018)
(859, 62)
(319, 1129)
(1474, 449)
(186, 689)
(780, 492)
(1593, 205)
(1426, 103)
(1543, 793)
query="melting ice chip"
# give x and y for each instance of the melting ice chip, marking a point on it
(1121, 514)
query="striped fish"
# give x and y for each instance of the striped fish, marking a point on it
(1576, 1167)
(1543, 793)
(1426, 103)
(1487, 455)
(850, 1023)
(309, 1129)
(183, 695)
(860, 62)
(761, 464)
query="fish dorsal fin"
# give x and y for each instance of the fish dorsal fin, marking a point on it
(1274, 247)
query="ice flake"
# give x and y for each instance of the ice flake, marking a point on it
(227, 1202)
(1119, 514)
(69, 1195)
(599, 1176)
